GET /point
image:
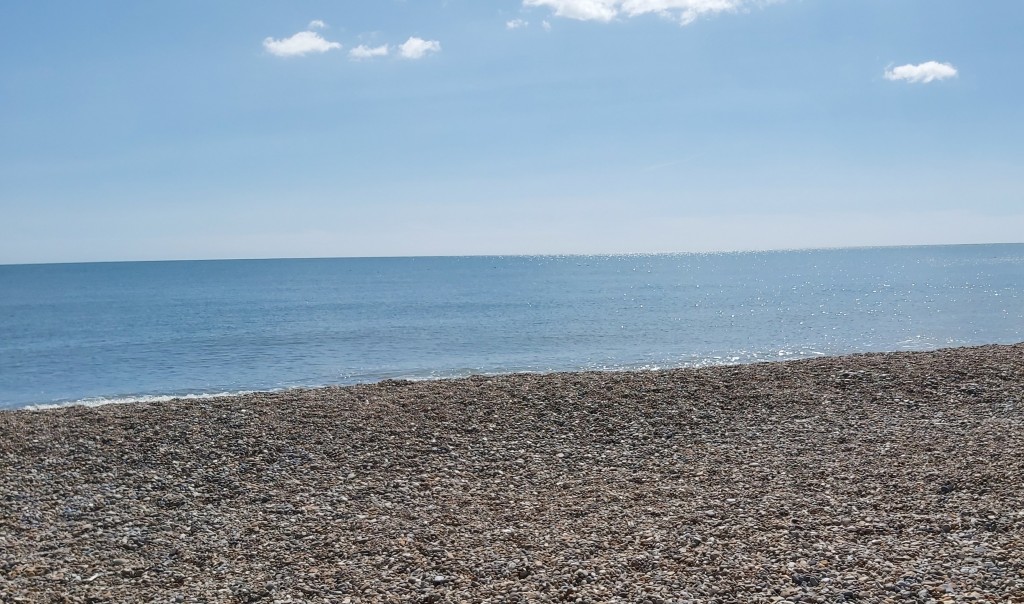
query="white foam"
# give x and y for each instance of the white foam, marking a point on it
(162, 398)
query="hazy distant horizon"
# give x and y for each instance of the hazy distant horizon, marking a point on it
(537, 255)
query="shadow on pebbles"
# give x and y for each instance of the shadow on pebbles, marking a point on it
(873, 478)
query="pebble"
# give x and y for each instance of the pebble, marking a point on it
(813, 481)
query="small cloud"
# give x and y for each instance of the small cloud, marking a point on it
(922, 73)
(417, 48)
(317, 24)
(683, 11)
(366, 52)
(516, 24)
(546, 25)
(583, 10)
(300, 44)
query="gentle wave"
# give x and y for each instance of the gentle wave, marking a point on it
(431, 376)
(741, 358)
(149, 398)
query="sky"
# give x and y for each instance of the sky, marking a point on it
(189, 129)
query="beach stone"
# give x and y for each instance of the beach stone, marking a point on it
(779, 482)
(806, 580)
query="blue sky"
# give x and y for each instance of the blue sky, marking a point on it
(197, 129)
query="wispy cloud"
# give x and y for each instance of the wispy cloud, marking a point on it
(516, 24)
(367, 52)
(302, 43)
(317, 24)
(683, 11)
(922, 73)
(417, 48)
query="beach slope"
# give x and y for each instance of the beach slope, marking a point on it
(869, 478)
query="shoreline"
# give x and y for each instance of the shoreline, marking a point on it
(103, 401)
(829, 479)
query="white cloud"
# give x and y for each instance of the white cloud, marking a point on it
(298, 45)
(922, 73)
(684, 11)
(417, 48)
(366, 52)
(584, 10)
(317, 24)
(516, 24)
(546, 25)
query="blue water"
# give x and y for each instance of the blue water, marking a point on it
(76, 332)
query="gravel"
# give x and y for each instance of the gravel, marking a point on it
(893, 477)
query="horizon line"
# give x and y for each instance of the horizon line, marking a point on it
(520, 255)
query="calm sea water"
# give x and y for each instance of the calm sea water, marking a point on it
(77, 332)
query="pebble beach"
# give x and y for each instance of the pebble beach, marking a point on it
(895, 477)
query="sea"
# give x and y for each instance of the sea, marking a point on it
(148, 331)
